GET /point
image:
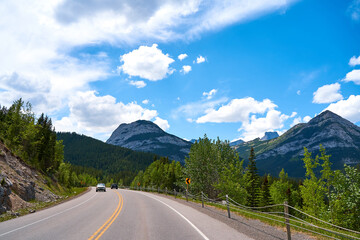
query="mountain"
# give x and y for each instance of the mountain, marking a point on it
(269, 136)
(84, 151)
(235, 143)
(340, 137)
(146, 136)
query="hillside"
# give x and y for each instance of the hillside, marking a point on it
(20, 183)
(146, 136)
(85, 151)
(340, 137)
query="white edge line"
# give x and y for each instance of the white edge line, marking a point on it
(191, 224)
(41, 220)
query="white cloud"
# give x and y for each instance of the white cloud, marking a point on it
(298, 92)
(354, 10)
(186, 69)
(200, 59)
(353, 76)
(354, 61)
(137, 84)
(237, 110)
(194, 109)
(182, 56)
(306, 119)
(39, 39)
(327, 94)
(211, 94)
(94, 114)
(256, 127)
(347, 108)
(300, 120)
(162, 123)
(146, 101)
(147, 62)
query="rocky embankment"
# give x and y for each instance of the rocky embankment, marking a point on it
(20, 183)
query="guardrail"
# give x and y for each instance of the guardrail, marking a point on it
(279, 213)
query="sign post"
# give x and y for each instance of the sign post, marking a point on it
(187, 181)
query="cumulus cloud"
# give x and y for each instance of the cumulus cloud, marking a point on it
(300, 120)
(182, 56)
(162, 123)
(237, 110)
(146, 101)
(354, 61)
(39, 39)
(347, 108)
(147, 62)
(137, 84)
(256, 127)
(94, 114)
(200, 59)
(211, 94)
(327, 94)
(353, 76)
(186, 69)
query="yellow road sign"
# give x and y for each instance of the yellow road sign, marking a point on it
(188, 180)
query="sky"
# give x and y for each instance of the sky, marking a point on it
(232, 69)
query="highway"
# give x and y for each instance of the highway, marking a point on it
(118, 214)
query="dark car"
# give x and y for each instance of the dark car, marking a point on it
(100, 187)
(114, 185)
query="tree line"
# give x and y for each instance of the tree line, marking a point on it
(215, 169)
(34, 141)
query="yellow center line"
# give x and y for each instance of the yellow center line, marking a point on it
(107, 224)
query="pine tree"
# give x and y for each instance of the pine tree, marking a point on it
(253, 181)
(265, 198)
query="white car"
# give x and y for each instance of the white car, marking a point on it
(100, 187)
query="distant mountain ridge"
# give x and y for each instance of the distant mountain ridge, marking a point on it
(340, 137)
(146, 136)
(81, 150)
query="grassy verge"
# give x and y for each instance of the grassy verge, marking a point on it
(65, 195)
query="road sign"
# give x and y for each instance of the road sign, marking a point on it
(188, 180)
(138, 183)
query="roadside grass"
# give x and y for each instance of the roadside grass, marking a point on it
(65, 195)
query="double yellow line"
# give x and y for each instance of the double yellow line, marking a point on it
(108, 223)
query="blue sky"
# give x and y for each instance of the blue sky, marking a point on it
(230, 69)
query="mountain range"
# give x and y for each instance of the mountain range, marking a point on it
(146, 136)
(339, 137)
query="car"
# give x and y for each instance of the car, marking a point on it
(100, 187)
(114, 185)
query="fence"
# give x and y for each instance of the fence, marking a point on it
(283, 214)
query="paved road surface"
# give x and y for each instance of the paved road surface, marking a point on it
(118, 214)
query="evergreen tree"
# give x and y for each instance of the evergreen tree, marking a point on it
(265, 197)
(253, 181)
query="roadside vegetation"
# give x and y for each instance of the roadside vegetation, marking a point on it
(215, 170)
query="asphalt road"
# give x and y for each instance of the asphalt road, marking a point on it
(118, 214)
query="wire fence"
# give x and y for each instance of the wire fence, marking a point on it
(278, 213)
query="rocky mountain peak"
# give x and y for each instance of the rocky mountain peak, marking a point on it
(146, 136)
(269, 136)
